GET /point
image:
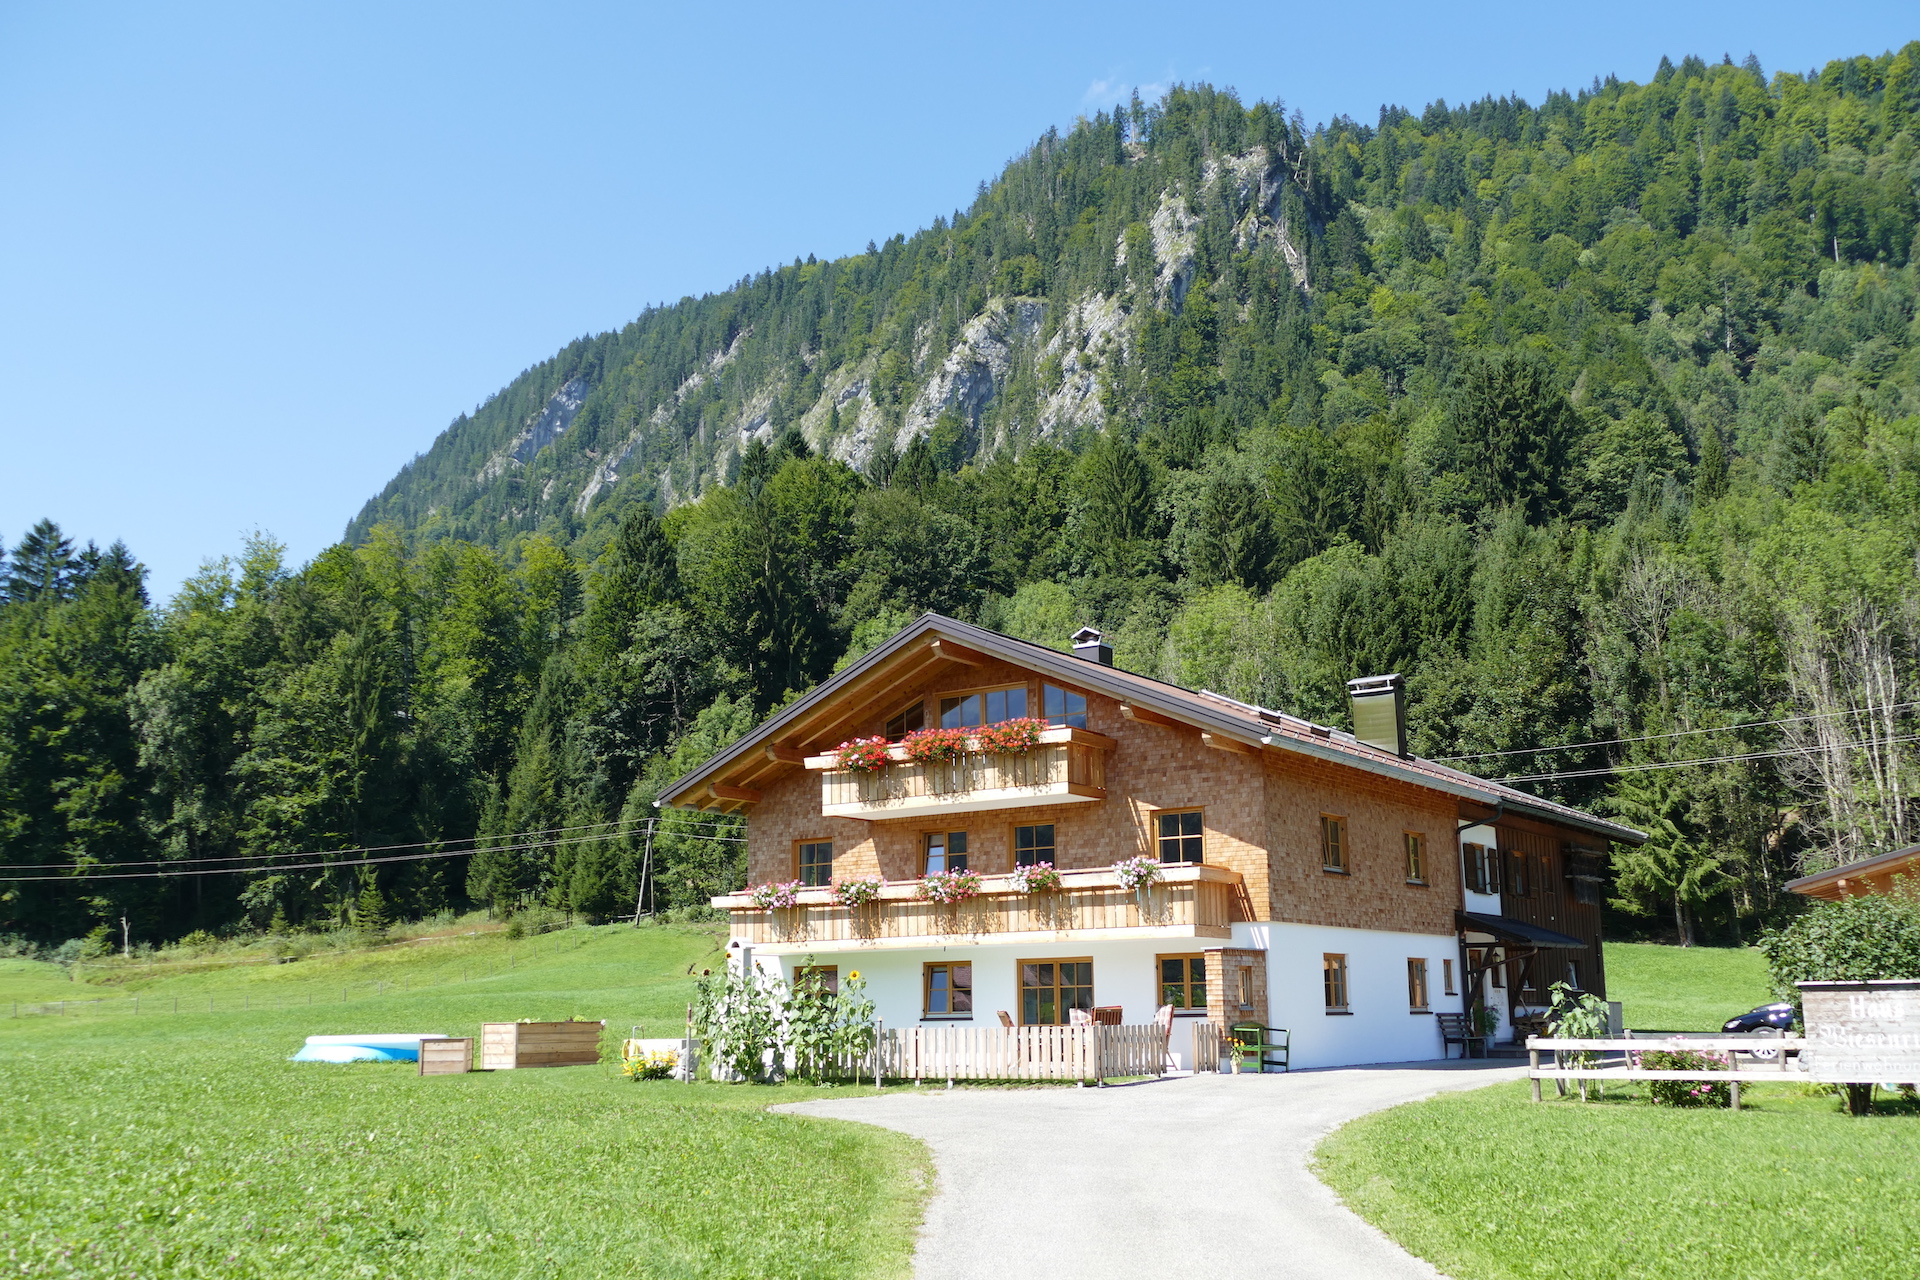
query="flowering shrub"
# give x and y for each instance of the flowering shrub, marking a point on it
(651, 1066)
(950, 886)
(770, 895)
(1038, 878)
(863, 755)
(1011, 737)
(857, 893)
(1137, 872)
(1684, 1093)
(935, 746)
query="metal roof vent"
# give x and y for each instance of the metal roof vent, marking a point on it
(1379, 705)
(1088, 644)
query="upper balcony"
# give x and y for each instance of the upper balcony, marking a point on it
(1069, 766)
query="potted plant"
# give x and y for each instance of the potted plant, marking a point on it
(863, 755)
(935, 746)
(857, 892)
(1137, 872)
(950, 888)
(1011, 737)
(1038, 878)
(774, 895)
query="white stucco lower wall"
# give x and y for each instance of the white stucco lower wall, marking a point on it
(1378, 1027)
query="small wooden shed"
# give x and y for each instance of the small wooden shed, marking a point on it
(505, 1046)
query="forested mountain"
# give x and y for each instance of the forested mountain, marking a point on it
(1599, 419)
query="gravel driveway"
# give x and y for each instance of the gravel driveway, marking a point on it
(1200, 1176)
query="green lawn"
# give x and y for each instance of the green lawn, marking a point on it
(1684, 988)
(1488, 1186)
(186, 1145)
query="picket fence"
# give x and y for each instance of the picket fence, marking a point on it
(1095, 1053)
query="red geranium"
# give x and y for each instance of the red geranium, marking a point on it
(1011, 737)
(935, 746)
(863, 755)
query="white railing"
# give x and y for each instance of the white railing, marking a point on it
(1768, 1060)
(1093, 1053)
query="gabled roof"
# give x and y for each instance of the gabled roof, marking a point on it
(727, 780)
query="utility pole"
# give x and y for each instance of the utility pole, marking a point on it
(126, 947)
(646, 871)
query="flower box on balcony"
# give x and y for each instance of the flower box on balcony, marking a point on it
(1066, 766)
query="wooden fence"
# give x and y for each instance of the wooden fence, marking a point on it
(1767, 1060)
(1095, 1053)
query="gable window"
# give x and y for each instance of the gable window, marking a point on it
(1416, 857)
(1181, 839)
(1050, 990)
(1183, 983)
(827, 975)
(816, 863)
(914, 717)
(948, 990)
(971, 710)
(1333, 843)
(1063, 706)
(946, 851)
(1333, 975)
(1517, 873)
(1417, 986)
(1033, 845)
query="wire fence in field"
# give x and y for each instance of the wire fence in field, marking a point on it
(309, 996)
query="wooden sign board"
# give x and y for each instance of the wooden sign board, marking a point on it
(507, 1046)
(446, 1057)
(1862, 1032)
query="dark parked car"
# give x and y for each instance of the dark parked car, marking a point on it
(1768, 1017)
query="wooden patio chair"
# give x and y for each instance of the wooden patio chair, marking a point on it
(1079, 1018)
(1163, 1020)
(1107, 1015)
(1458, 1029)
(1006, 1019)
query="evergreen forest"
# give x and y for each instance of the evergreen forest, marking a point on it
(1597, 419)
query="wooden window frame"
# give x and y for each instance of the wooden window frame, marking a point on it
(1334, 845)
(1446, 978)
(926, 991)
(1199, 812)
(1086, 700)
(1419, 998)
(1416, 848)
(1335, 982)
(800, 866)
(1520, 884)
(1021, 989)
(1013, 842)
(980, 691)
(886, 725)
(1160, 983)
(1246, 987)
(830, 972)
(948, 846)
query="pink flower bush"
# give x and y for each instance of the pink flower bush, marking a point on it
(857, 893)
(949, 887)
(1137, 872)
(773, 895)
(1038, 878)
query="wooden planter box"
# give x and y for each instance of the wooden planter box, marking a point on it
(448, 1057)
(507, 1045)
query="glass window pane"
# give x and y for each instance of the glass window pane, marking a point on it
(1190, 823)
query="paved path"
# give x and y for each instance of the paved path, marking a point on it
(1201, 1176)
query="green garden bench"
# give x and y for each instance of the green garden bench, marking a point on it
(1265, 1046)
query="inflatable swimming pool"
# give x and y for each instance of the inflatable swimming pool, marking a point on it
(403, 1047)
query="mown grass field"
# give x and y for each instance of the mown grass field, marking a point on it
(1684, 988)
(1488, 1186)
(185, 1145)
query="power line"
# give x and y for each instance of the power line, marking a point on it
(335, 866)
(1681, 733)
(1685, 764)
(258, 861)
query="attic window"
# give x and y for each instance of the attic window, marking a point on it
(913, 717)
(970, 711)
(1064, 707)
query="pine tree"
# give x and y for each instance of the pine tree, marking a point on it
(44, 565)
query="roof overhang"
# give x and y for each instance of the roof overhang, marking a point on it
(1518, 932)
(1832, 883)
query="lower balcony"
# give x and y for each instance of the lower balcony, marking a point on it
(1188, 902)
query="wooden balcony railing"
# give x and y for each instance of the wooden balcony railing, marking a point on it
(1069, 765)
(1193, 901)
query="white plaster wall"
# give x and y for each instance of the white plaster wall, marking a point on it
(1380, 1027)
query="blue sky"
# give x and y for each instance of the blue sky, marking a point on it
(257, 256)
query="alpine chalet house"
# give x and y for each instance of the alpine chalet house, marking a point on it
(1295, 875)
